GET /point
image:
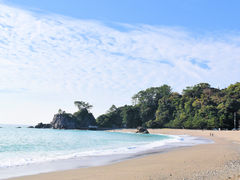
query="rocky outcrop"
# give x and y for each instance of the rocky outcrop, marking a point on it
(41, 125)
(79, 120)
(142, 130)
(64, 121)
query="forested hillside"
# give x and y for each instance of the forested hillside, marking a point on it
(197, 107)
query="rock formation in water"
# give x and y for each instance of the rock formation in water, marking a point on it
(41, 125)
(142, 130)
(64, 121)
(82, 119)
(79, 120)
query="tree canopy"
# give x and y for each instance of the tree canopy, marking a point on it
(82, 105)
(198, 107)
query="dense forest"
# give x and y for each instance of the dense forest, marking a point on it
(197, 107)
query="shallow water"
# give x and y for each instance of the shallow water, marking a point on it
(24, 148)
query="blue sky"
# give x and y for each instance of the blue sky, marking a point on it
(53, 53)
(197, 15)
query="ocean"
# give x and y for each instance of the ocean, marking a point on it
(25, 151)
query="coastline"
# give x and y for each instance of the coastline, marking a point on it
(219, 160)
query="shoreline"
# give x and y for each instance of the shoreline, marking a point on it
(211, 161)
(93, 160)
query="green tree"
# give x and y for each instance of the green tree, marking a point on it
(147, 101)
(112, 119)
(164, 112)
(85, 118)
(104, 121)
(82, 105)
(131, 116)
(196, 91)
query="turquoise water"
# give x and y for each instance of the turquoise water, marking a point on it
(25, 151)
(22, 146)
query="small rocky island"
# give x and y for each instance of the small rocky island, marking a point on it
(82, 119)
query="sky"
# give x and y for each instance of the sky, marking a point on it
(53, 53)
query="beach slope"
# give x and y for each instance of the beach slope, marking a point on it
(219, 160)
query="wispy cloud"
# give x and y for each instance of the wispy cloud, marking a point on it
(16, 91)
(108, 63)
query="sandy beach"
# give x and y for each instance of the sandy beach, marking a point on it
(220, 160)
